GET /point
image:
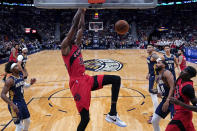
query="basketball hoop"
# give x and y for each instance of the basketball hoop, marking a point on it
(96, 4)
(96, 1)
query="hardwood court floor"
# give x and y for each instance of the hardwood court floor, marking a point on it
(51, 104)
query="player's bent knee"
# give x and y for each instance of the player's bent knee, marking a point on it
(117, 79)
(26, 124)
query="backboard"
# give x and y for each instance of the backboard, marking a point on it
(108, 4)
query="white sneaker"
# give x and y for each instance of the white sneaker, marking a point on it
(116, 120)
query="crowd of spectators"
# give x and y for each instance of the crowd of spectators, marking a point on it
(179, 23)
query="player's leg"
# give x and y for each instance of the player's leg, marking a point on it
(26, 124)
(159, 114)
(25, 115)
(112, 116)
(19, 126)
(153, 85)
(155, 121)
(85, 118)
(17, 117)
(115, 81)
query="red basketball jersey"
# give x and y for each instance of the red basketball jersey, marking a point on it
(180, 96)
(12, 57)
(183, 63)
(74, 62)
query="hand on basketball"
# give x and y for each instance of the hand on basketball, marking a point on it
(15, 108)
(165, 106)
(32, 81)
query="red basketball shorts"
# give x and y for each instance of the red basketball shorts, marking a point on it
(81, 88)
(182, 121)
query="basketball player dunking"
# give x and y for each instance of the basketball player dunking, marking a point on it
(81, 84)
(151, 61)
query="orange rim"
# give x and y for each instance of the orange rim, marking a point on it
(96, 1)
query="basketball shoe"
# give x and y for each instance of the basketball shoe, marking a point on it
(116, 120)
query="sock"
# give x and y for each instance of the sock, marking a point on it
(113, 109)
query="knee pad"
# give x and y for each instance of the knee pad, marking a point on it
(26, 123)
(19, 127)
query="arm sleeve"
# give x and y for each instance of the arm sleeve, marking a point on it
(20, 58)
(188, 91)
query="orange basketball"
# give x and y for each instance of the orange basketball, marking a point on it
(121, 27)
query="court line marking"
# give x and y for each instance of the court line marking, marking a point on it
(33, 98)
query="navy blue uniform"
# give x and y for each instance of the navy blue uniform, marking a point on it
(16, 96)
(152, 72)
(170, 66)
(164, 92)
(23, 60)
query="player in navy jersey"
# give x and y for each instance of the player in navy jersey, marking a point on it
(170, 59)
(22, 59)
(16, 103)
(82, 84)
(151, 76)
(166, 88)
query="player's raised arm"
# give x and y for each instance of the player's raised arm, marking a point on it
(67, 41)
(81, 27)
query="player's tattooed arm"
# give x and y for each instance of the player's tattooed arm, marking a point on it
(70, 36)
(81, 27)
(178, 102)
(9, 82)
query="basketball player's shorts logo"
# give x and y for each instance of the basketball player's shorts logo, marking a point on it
(77, 97)
(103, 65)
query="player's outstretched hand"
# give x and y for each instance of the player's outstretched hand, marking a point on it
(32, 81)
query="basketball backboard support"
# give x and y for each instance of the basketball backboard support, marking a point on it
(109, 4)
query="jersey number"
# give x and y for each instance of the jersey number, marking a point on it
(162, 89)
(170, 66)
(177, 94)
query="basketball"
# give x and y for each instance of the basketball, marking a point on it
(121, 27)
